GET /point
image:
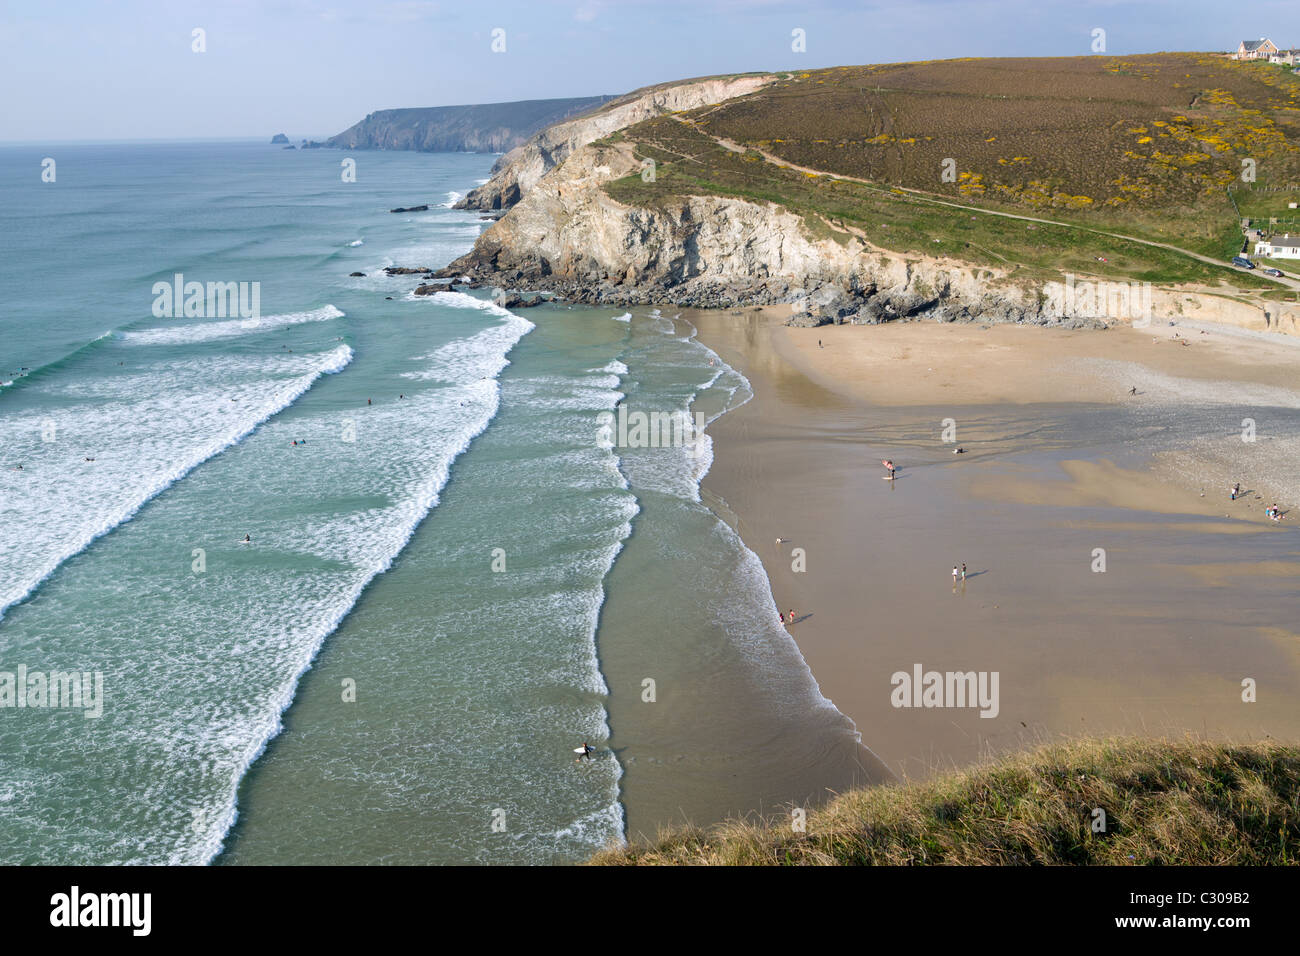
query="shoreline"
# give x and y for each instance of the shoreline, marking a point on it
(1077, 651)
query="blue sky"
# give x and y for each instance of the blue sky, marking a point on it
(310, 68)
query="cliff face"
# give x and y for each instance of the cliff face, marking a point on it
(521, 169)
(489, 127)
(568, 235)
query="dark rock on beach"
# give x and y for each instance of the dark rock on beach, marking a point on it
(513, 300)
(424, 208)
(356, 275)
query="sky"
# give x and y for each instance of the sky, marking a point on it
(128, 69)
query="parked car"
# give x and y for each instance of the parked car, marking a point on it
(1243, 262)
(1275, 273)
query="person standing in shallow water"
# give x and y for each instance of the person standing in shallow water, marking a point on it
(963, 570)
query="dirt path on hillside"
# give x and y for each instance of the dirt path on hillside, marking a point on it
(734, 147)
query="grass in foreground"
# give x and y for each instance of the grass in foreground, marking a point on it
(1165, 803)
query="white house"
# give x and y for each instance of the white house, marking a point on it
(1260, 49)
(1285, 57)
(1284, 247)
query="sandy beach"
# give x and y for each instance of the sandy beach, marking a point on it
(1111, 584)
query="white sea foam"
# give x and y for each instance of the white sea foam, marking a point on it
(410, 447)
(227, 328)
(356, 242)
(625, 317)
(141, 443)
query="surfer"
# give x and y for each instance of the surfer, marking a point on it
(1133, 390)
(247, 539)
(367, 401)
(889, 466)
(959, 450)
(585, 751)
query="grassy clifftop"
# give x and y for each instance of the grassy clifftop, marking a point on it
(1183, 803)
(1148, 147)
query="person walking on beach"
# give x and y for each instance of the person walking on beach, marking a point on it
(1236, 490)
(963, 570)
(955, 572)
(790, 615)
(584, 752)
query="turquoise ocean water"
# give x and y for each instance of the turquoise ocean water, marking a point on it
(396, 665)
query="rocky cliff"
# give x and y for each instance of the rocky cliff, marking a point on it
(489, 127)
(568, 235)
(519, 170)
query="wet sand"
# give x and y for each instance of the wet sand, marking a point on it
(1196, 595)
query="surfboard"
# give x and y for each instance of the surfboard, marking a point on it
(888, 477)
(581, 750)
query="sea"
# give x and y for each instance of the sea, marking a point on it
(343, 571)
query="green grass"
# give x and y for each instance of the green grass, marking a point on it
(688, 163)
(1165, 803)
(1147, 146)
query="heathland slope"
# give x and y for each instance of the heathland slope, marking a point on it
(485, 128)
(960, 190)
(1109, 802)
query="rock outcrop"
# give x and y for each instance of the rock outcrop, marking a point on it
(520, 169)
(568, 235)
(559, 230)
